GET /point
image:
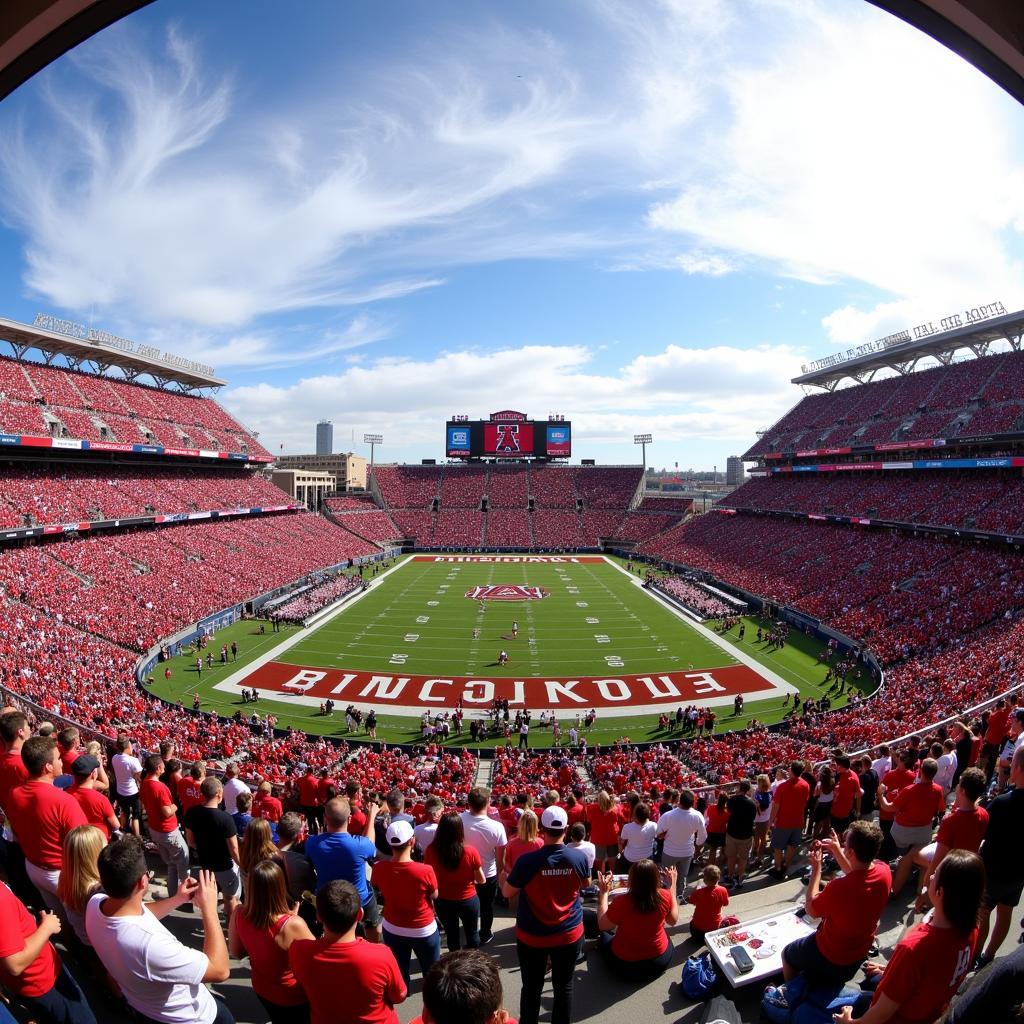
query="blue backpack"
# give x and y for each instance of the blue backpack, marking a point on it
(699, 977)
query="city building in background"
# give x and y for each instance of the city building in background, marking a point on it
(324, 437)
(734, 472)
(349, 470)
(307, 486)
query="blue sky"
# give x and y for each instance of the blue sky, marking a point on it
(642, 216)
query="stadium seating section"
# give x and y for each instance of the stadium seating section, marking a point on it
(966, 399)
(50, 401)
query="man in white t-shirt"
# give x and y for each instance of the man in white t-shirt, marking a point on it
(578, 841)
(882, 764)
(489, 839)
(425, 833)
(161, 979)
(127, 775)
(683, 830)
(233, 786)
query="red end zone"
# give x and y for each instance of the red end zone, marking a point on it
(536, 693)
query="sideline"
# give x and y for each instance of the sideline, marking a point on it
(783, 686)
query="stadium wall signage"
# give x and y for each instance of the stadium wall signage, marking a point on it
(513, 559)
(570, 695)
(75, 444)
(969, 317)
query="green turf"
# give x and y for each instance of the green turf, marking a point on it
(370, 633)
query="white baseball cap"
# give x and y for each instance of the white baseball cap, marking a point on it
(399, 833)
(554, 817)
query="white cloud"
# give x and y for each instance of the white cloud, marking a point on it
(682, 393)
(710, 263)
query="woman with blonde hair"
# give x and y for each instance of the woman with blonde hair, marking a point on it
(257, 845)
(763, 798)
(605, 825)
(80, 875)
(263, 928)
(525, 839)
(95, 749)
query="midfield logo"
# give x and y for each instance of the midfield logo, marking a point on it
(506, 592)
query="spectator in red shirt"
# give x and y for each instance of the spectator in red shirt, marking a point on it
(95, 806)
(996, 731)
(42, 816)
(459, 870)
(846, 794)
(30, 968)
(266, 805)
(962, 829)
(190, 793)
(605, 824)
(162, 821)
(640, 948)
(14, 730)
(893, 781)
(525, 839)
(309, 801)
(916, 808)
(931, 961)
(708, 899)
(789, 805)
(338, 962)
(849, 908)
(718, 821)
(264, 928)
(409, 890)
(463, 987)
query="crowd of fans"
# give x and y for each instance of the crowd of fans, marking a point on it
(106, 409)
(965, 399)
(694, 597)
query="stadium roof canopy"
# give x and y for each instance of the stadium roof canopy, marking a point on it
(987, 33)
(904, 355)
(101, 351)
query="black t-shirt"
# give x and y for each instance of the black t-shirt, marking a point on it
(211, 828)
(869, 787)
(742, 812)
(1001, 849)
(299, 873)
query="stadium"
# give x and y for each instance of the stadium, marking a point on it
(509, 619)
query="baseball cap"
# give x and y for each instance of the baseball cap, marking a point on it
(554, 817)
(399, 833)
(84, 764)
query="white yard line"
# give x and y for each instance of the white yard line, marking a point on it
(781, 685)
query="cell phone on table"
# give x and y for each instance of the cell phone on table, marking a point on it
(741, 958)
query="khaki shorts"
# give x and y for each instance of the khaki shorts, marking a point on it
(738, 848)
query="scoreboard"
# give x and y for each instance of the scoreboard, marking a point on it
(508, 435)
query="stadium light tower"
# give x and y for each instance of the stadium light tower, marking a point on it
(372, 440)
(643, 440)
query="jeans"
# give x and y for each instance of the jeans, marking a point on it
(532, 963)
(174, 853)
(453, 912)
(224, 1015)
(682, 863)
(635, 970)
(63, 1004)
(486, 893)
(285, 1014)
(427, 950)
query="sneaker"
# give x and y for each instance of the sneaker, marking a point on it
(778, 875)
(486, 940)
(727, 880)
(980, 961)
(776, 996)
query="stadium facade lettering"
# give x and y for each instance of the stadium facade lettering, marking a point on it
(530, 559)
(967, 318)
(376, 689)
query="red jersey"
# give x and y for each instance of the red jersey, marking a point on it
(998, 726)
(366, 972)
(790, 802)
(576, 813)
(309, 791)
(639, 936)
(268, 807)
(155, 796)
(718, 821)
(708, 900)
(925, 971)
(963, 830)
(604, 825)
(95, 806)
(16, 925)
(850, 908)
(517, 847)
(322, 787)
(357, 821)
(12, 773)
(407, 888)
(189, 795)
(42, 816)
(918, 804)
(457, 884)
(894, 781)
(846, 791)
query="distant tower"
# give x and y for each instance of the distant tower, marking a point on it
(324, 437)
(734, 474)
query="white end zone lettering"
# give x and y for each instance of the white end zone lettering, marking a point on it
(304, 680)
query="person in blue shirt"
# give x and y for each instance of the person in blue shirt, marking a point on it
(549, 917)
(336, 854)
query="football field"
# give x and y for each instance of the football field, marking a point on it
(555, 634)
